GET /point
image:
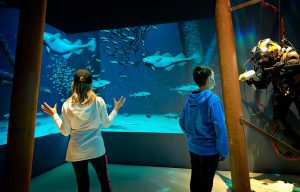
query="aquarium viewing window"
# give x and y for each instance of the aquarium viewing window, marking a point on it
(149, 65)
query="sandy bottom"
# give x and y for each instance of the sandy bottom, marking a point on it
(123, 123)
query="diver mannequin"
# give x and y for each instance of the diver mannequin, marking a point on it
(280, 65)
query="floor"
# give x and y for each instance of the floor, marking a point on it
(125, 178)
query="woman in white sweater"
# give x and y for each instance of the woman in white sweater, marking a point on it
(82, 115)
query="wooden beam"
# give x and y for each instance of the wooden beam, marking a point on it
(246, 4)
(24, 100)
(232, 98)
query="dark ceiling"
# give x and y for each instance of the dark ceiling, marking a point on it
(73, 16)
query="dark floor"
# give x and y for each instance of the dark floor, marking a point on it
(126, 178)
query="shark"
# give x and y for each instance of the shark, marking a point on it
(55, 43)
(167, 61)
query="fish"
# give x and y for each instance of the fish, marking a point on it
(140, 94)
(108, 106)
(62, 100)
(98, 60)
(122, 63)
(103, 38)
(64, 46)
(39, 114)
(131, 38)
(89, 67)
(6, 115)
(6, 75)
(167, 61)
(105, 31)
(120, 51)
(171, 115)
(114, 62)
(114, 42)
(3, 129)
(116, 32)
(185, 89)
(123, 34)
(6, 83)
(95, 76)
(148, 115)
(122, 75)
(99, 83)
(46, 90)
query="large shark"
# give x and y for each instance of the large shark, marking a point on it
(64, 46)
(167, 61)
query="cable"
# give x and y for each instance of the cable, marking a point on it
(259, 27)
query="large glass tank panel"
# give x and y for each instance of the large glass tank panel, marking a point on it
(149, 65)
(8, 37)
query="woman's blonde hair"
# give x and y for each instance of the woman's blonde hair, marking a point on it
(82, 91)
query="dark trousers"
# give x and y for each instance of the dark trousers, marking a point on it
(281, 107)
(82, 174)
(203, 172)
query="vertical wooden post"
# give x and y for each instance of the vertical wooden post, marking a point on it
(232, 98)
(20, 140)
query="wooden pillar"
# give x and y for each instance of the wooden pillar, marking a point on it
(232, 98)
(20, 140)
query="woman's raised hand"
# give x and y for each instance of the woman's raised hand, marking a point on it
(49, 110)
(120, 103)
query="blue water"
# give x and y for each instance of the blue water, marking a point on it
(118, 59)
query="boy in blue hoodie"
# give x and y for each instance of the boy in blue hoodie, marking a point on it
(202, 120)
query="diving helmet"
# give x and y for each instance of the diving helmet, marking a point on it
(266, 50)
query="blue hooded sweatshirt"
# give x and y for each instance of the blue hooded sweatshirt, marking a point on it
(202, 120)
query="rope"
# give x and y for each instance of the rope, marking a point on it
(277, 12)
(278, 151)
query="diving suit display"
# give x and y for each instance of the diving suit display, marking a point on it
(279, 64)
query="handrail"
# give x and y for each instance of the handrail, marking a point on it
(259, 130)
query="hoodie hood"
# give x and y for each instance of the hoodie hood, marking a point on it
(197, 98)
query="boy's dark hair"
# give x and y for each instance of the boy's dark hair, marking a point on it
(200, 74)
